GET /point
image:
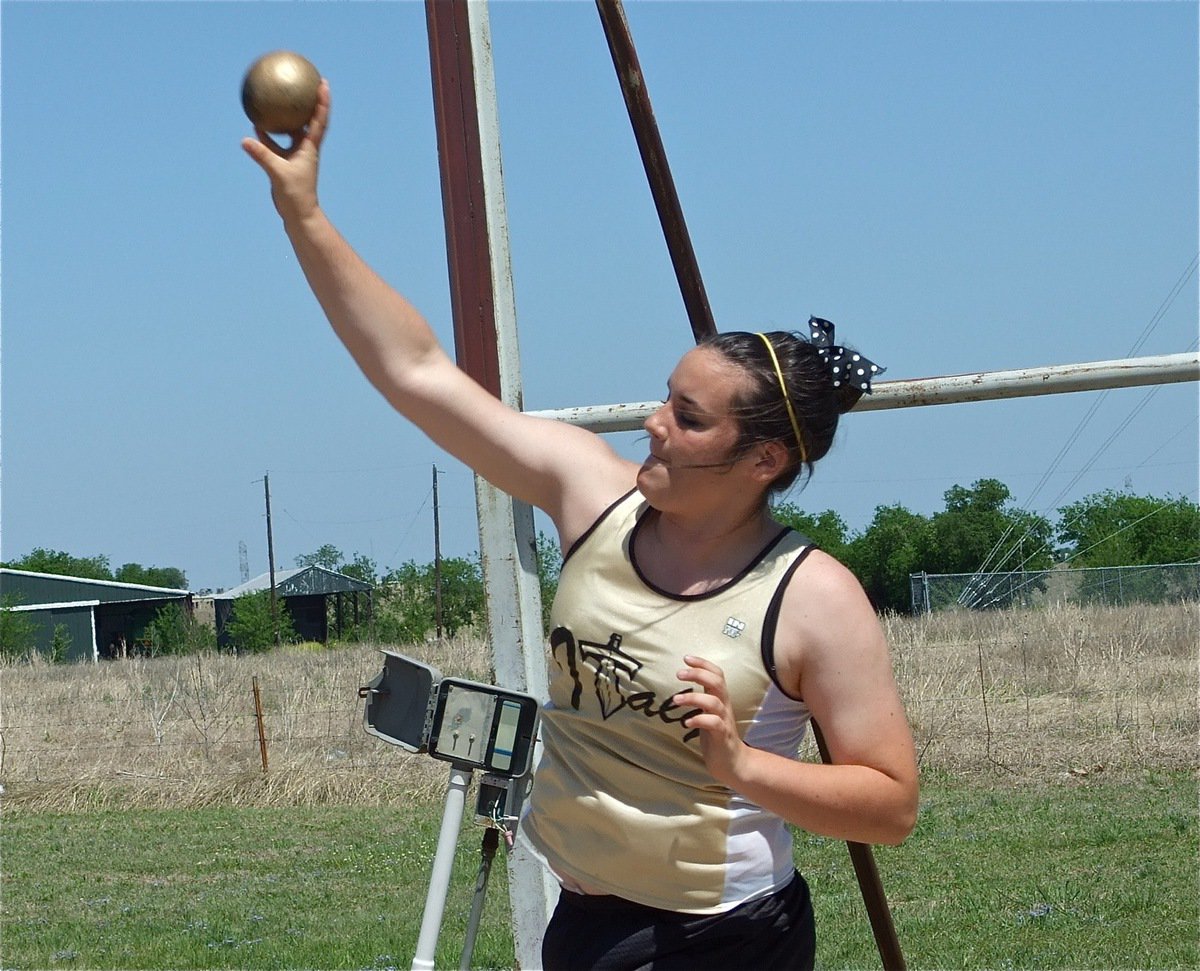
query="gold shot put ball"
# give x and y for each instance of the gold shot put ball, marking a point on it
(279, 92)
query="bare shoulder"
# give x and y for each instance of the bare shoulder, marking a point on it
(588, 487)
(826, 622)
(837, 656)
(568, 472)
(823, 587)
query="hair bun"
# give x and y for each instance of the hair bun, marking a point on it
(847, 395)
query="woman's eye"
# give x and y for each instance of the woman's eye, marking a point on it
(687, 421)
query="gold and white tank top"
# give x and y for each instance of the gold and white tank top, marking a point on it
(622, 802)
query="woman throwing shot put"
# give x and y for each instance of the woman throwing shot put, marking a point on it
(693, 637)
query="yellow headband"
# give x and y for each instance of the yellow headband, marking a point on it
(787, 399)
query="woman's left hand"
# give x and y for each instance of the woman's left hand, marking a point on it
(720, 743)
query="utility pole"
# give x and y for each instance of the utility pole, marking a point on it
(437, 558)
(271, 559)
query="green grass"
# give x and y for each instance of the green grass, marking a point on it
(1090, 874)
(235, 888)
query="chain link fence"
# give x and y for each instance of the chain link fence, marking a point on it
(1108, 585)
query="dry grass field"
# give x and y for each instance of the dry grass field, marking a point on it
(1028, 696)
(1060, 692)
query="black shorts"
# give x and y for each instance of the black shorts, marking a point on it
(602, 933)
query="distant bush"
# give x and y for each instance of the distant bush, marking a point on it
(175, 631)
(305, 647)
(251, 627)
(17, 632)
(60, 643)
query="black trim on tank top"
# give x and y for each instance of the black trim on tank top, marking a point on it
(690, 597)
(592, 528)
(771, 621)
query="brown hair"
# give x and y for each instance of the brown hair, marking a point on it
(762, 409)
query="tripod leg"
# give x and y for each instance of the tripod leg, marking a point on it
(491, 840)
(443, 866)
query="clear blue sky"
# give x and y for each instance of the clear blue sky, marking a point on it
(958, 186)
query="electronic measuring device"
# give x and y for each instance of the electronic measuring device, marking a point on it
(474, 726)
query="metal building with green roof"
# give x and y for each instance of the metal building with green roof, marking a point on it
(305, 593)
(93, 618)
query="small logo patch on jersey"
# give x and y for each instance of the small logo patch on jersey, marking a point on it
(733, 627)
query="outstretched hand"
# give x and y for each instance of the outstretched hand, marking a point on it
(293, 170)
(720, 743)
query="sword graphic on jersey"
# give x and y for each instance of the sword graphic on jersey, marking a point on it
(614, 670)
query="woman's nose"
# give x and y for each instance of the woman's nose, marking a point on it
(654, 422)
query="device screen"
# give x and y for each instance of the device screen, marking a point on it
(506, 735)
(479, 725)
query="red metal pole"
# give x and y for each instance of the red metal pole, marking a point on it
(691, 285)
(658, 173)
(463, 203)
(871, 886)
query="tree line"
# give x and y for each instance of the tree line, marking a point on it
(405, 599)
(978, 528)
(98, 568)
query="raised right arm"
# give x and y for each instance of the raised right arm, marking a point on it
(569, 473)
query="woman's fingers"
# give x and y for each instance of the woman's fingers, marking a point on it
(709, 696)
(263, 145)
(320, 119)
(705, 674)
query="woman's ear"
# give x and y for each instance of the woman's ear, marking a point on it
(770, 461)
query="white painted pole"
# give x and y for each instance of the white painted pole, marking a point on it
(1025, 382)
(516, 599)
(507, 538)
(951, 389)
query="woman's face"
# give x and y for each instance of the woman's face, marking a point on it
(693, 435)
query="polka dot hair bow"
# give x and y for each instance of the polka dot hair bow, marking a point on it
(847, 367)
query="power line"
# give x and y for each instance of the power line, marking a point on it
(1165, 305)
(409, 528)
(343, 470)
(1153, 323)
(1156, 318)
(342, 522)
(1077, 553)
(1172, 438)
